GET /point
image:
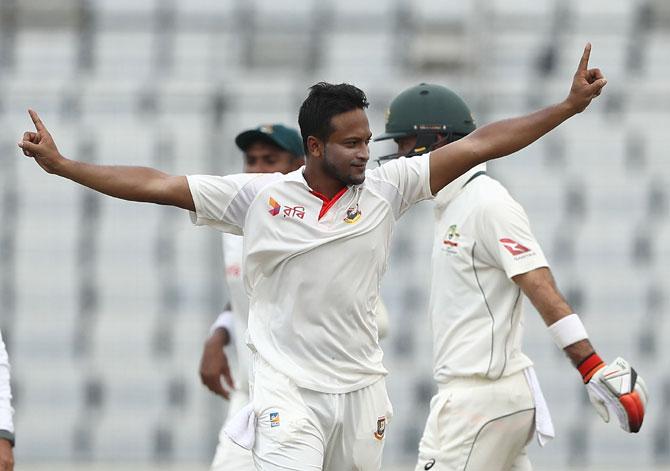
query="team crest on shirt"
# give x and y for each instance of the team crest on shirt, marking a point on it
(450, 241)
(274, 419)
(353, 215)
(517, 250)
(381, 428)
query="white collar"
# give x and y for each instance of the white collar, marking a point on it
(449, 192)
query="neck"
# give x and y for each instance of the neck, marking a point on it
(321, 182)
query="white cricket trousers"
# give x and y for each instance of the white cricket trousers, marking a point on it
(303, 430)
(229, 456)
(477, 424)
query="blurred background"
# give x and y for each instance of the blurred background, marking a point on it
(104, 304)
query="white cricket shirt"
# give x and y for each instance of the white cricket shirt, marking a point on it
(482, 239)
(6, 410)
(233, 247)
(312, 267)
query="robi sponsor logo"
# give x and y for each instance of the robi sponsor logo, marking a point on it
(289, 211)
(274, 206)
(514, 247)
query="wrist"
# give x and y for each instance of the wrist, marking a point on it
(589, 366)
(62, 166)
(8, 437)
(219, 337)
(569, 108)
(567, 331)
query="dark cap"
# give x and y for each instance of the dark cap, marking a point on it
(282, 136)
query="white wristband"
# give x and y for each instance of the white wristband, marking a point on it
(225, 321)
(567, 331)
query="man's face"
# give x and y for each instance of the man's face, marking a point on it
(406, 144)
(263, 157)
(346, 152)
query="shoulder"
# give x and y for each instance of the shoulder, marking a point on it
(491, 201)
(237, 181)
(402, 165)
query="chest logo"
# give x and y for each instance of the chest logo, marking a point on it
(514, 247)
(353, 215)
(451, 239)
(289, 211)
(274, 206)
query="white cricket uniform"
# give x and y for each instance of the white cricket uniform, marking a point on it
(312, 269)
(230, 456)
(6, 410)
(483, 415)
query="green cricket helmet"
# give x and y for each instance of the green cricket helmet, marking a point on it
(433, 113)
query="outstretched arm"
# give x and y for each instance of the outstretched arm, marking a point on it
(128, 183)
(510, 135)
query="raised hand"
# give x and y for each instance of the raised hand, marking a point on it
(586, 84)
(40, 145)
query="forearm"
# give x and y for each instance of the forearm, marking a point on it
(539, 286)
(492, 141)
(541, 289)
(507, 136)
(129, 183)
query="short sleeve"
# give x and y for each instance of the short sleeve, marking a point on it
(222, 202)
(507, 238)
(404, 181)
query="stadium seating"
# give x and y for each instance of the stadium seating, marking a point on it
(105, 303)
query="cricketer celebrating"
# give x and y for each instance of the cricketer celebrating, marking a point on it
(315, 249)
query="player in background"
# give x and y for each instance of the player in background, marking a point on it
(315, 249)
(485, 259)
(6, 413)
(266, 149)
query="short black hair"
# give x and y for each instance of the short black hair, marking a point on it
(324, 101)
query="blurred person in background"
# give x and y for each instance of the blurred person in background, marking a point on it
(6, 413)
(484, 260)
(315, 250)
(268, 148)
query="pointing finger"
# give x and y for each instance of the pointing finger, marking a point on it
(584, 61)
(39, 125)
